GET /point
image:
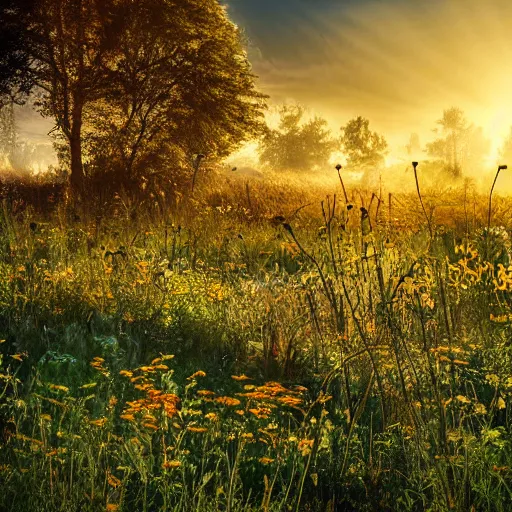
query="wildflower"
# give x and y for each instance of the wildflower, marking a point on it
(113, 481)
(261, 412)
(198, 430)
(205, 392)
(111, 507)
(463, 399)
(18, 357)
(46, 417)
(127, 417)
(57, 387)
(171, 464)
(240, 377)
(305, 446)
(480, 409)
(151, 426)
(99, 422)
(290, 400)
(227, 401)
(147, 369)
(126, 373)
(240, 412)
(266, 460)
(211, 416)
(88, 386)
(247, 435)
(199, 373)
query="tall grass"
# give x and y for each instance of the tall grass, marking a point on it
(275, 349)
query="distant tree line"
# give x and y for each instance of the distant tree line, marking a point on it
(300, 145)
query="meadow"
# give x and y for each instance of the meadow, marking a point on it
(258, 345)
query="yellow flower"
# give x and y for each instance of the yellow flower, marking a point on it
(127, 417)
(198, 430)
(88, 386)
(240, 412)
(57, 387)
(211, 416)
(46, 417)
(126, 373)
(266, 460)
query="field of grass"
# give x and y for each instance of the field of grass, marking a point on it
(257, 347)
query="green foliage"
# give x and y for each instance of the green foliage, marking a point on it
(296, 145)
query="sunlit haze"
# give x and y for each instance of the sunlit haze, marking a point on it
(398, 63)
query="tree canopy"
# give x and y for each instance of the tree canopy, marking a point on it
(461, 144)
(362, 147)
(131, 83)
(297, 145)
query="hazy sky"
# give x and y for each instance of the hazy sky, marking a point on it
(397, 62)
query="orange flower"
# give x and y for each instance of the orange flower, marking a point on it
(98, 423)
(261, 412)
(126, 373)
(111, 507)
(171, 464)
(240, 377)
(199, 373)
(113, 481)
(266, 460)
(205, 392)
(228, 401)
(127, 417)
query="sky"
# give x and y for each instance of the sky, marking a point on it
(399, 63)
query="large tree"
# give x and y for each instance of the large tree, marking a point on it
(132, 79)
(296, 145)
(362, 147)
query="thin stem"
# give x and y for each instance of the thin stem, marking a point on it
(421, 201)
(490, 201)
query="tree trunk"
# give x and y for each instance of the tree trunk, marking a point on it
(75, 145)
